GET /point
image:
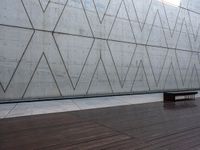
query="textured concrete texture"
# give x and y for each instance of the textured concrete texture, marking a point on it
(59, 48)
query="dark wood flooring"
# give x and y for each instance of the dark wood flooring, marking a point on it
(137, 127)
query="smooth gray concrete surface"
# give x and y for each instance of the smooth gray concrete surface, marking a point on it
(51, 48)
(46, 107)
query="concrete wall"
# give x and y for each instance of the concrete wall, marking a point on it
(51, 48)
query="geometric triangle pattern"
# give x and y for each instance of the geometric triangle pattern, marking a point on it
(69, 51)
(11, 51)
(194, 80)
(184, 60)
(101, 8)
(140, 82)
(68, 21)
(145, 10)
(122, 21)
(44, 4)
(42, 78)
(100, 82)
(157, 35)
(69, 48)
(184, 41)
(122, 54)
(157, 54)
(171, 82)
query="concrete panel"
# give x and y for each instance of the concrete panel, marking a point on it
(74, 51)
(51, 48)
(41, 16)
(11, 51)
(70, 24)
(157, 56)
(13, 13)
(43, 83)
(194, 5)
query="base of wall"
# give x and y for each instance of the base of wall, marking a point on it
(44, 107)
(89, 96)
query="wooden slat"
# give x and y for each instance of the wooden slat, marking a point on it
(135, 127)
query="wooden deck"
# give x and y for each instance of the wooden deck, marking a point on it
(136, 127)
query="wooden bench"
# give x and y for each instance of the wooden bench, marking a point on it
(185, 95)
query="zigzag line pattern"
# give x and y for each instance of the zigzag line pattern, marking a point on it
(61, 48)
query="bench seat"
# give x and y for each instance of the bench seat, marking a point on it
(187, 95)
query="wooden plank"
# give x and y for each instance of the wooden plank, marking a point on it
(136, 127)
